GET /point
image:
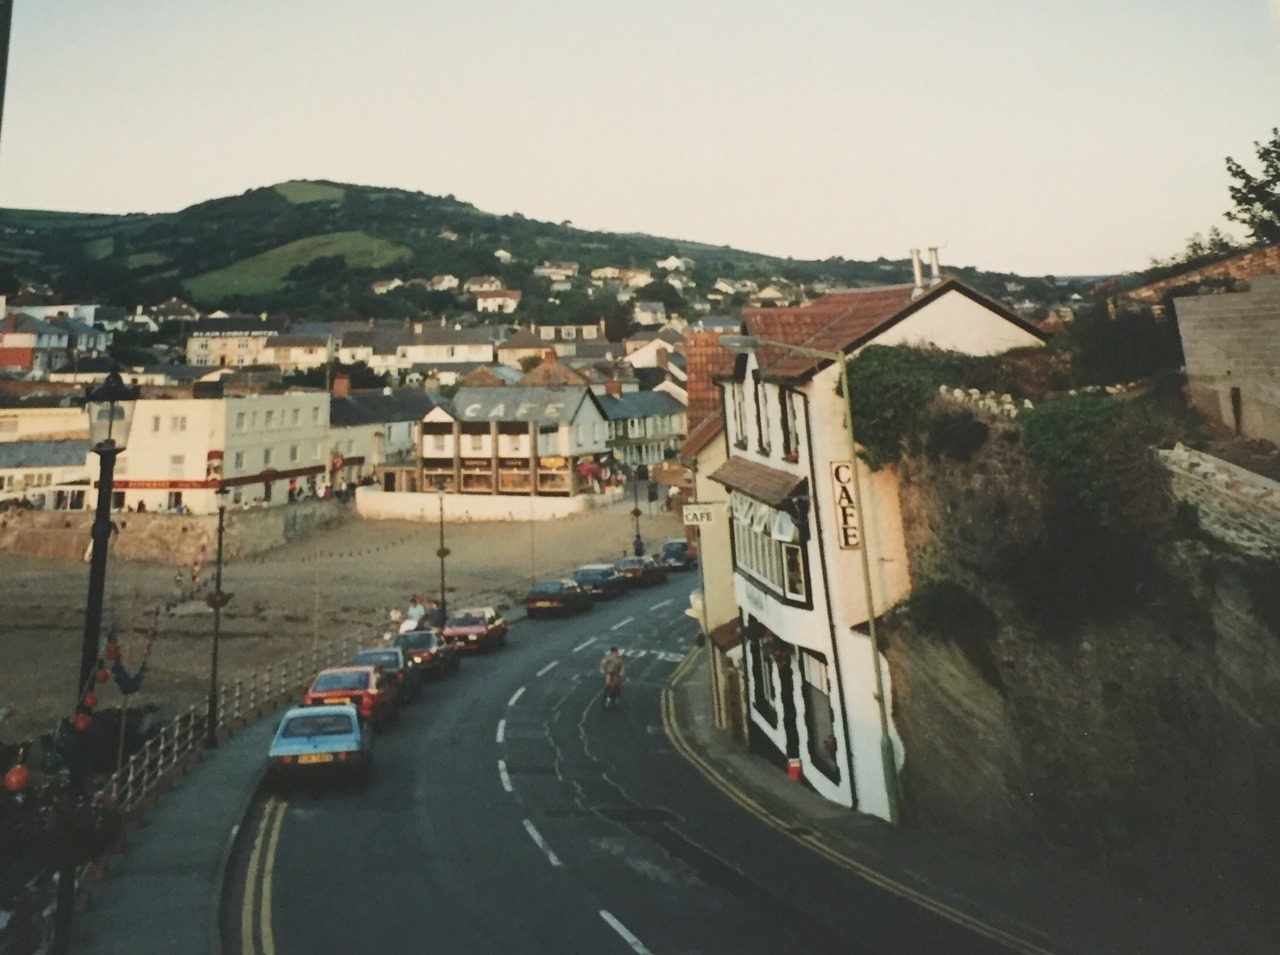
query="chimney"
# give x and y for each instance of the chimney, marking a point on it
(417, 328)
(661, 357)
(442, 322)
(341, 386)
(612, 387)
(917, 270)
(935, 270)
(550, 355)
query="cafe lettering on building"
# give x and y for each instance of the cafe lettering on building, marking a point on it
(846, 508)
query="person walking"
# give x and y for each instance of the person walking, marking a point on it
(613, 668)
(637, 545)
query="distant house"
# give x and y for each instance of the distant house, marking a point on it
(231, 341)
(448, 235)
(376, 433)
(551, 373)
(644, 426)
(634, 278)
(498, 300)
(173, 309)
(503, 256)
(82, 339)
(770, 295)
(680, 282)
(521, 344)
(298, 352)
(490, 376)
(31, 469)
(482, 283)
(643, 348)
(432, 344)
(557, 271)
(649, 313)
(606, 273)
(383, 286)
(674, 263)
(443, 283)
(31, 345)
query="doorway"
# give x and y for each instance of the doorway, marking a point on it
(1237, 409)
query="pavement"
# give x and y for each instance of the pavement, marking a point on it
(164, 892)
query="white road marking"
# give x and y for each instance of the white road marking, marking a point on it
(502, 774)
(622, 623)
(636, 945)
(502, 731)
(667, 657)
(516, 695)
(536, 836)
(584, 644)
(660, 605)
(635, 654)
(549, 667)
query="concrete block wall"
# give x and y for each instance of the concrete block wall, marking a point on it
(1233, 341)
(1238, 507)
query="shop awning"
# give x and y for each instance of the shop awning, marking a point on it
(758, 481)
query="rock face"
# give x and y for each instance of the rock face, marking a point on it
(1140, 734)
(167, 538)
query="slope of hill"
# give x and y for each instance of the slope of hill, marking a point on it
(317, 247)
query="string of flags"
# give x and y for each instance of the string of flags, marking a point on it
(337, 554)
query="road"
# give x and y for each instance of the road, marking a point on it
(510, 813)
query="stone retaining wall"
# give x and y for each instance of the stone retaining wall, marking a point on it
(373, 503)
(1236, 506)
(167, 538)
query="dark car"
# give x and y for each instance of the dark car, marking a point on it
(677, 554)
(398, 667)
(431, 653)
(642, 571)
(600, 580)
(476, 628)
(556, 596)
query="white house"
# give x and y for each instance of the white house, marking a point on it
(443, 283)
(32, 345)
(503, 256)
(441, 345)
(798, 564)
(377, 433)
(606, 273)
(482, 283)
(29, 470)
(42, 418)
(557, 271)
(383, 286)
(649, 313)
(644, 426)
(298, 352)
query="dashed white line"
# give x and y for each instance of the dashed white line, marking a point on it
(584, 644)
(536, 836)
(516, 695)
(549, 667)
(502, 731)
(636, 945)
(502, 774)
(622, 623)
(659, 605)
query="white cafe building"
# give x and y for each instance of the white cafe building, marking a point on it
(796, 564)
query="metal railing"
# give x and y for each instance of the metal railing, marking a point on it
(150, 768)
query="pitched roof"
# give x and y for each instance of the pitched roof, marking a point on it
(490, 376)
(43, 454)
(702, 435)
(639, 404)
(299, 341)
(757, 480)
(547, 406)
(435, 335)
(552, 373)
(522, 338)
(704, 360)
(234, 326)
(377, 407)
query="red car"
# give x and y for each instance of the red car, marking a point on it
(477, 628)
(372, 692)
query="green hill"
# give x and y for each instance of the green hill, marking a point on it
(316, 247)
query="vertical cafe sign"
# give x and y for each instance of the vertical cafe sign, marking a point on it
(847, 529)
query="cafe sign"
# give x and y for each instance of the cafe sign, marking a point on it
(847, 531)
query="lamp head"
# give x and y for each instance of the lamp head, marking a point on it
(110, 408)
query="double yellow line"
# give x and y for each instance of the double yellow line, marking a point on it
(256, 934)
(812, 842)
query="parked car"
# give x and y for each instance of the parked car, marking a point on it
(552, 596)
(600, 580)
(476, 628)
(677, 554)
(432, 654)
(396, 664)
(367, 688)
(642, 571)
(315, 742)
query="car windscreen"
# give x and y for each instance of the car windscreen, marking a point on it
(674, 549)
(319, 724)
(340, 681)
(388, 660)
(547, 587)
(590, 576)
(420, 640)
(630, 563)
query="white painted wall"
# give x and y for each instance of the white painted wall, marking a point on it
(955, 322)
(373, 503)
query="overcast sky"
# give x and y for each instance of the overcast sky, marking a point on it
(1078, 136)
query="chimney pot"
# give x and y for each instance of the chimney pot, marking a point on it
(612, 387)
(917, 270)
(341, 386)
(549, 355)
(935, 270)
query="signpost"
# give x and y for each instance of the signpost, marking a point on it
(698, 514)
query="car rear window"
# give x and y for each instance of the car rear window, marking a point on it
(340, 681)
(424, 640)
(321, 724)
(387, 659)
(466, 620)
(547, 587)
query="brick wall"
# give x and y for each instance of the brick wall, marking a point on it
(1238, 507)
(1242, 267)
(1231, 342)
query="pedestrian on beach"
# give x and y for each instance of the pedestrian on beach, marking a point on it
(637, 545)
(416, 610)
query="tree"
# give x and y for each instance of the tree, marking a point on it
(1257, 198)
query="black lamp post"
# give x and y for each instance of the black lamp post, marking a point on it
(110, 408)
(442, 552)
(217, 600)
(635, 488)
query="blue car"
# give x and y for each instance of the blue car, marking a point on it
(321, 742)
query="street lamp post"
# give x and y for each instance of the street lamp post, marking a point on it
(217, 600)
(442, 552)
(635, 511)
(110, 410)
(747, 343)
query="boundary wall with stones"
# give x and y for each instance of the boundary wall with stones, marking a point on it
(1235, 506)
(373, 503)
(168, 538)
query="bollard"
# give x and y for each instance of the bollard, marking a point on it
(793, 770)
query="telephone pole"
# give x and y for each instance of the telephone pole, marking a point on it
(6, 21)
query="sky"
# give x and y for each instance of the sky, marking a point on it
(1072, 137)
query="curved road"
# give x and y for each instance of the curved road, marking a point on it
(509, 813)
